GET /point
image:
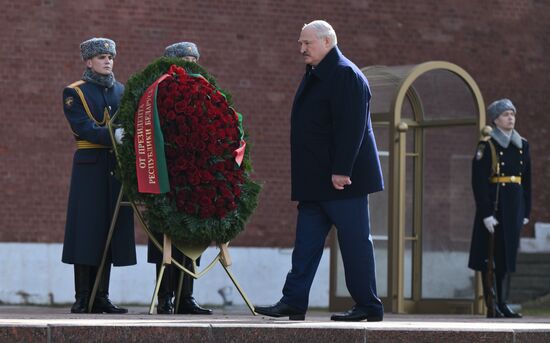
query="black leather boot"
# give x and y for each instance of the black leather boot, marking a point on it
(492, 310)
(187, 304)
(166, 294)
(503, 287)
(102, 303)
(82, 288)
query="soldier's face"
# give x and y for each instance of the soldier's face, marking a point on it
(506, 120)
(101, 64)
(313, 49)
(189, 58)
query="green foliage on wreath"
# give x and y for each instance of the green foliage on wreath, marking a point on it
(159, 211)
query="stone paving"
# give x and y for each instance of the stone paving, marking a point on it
(236, 324)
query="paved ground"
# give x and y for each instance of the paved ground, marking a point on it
(243, 315)
(236, 324)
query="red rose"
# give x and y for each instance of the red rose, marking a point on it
(181, 141)
(231, 206)
(220, 212)
(205, 201)
(206, 177)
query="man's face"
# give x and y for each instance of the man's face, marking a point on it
(101, 64)
(312, 48)
(189, 58)
(506, 120)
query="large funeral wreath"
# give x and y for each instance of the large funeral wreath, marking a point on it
(211, 195)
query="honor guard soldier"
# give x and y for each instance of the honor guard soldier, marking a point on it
(187, 304)
(501, 181)
(88, 105)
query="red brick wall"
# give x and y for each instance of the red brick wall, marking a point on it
(251, 48)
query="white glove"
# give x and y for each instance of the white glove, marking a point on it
(490, 223)
(119, 134)
(525, 221)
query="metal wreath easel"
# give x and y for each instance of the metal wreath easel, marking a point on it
(193, 252)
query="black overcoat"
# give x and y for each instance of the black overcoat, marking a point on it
(94, 189)
(514, 203)
(331, 132)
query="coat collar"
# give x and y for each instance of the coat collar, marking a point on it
(326, 65)
(503, 140)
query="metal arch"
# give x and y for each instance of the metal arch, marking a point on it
(397, 148)
(423, 68)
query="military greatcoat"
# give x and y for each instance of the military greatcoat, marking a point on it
(513, 205)
(94, 188)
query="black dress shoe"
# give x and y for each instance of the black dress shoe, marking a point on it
(188, 305)
(497, 314)
(165, 305)
(104, 305)
(80, 305)
(281, 310)
(507, 312)
(357, 315)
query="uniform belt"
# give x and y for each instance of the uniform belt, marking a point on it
(89, 145)
(506, 179)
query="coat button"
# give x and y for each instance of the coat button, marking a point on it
(501, 153)
(501, 163)
(521, 151)
(503, 184)
(112, 173)
(520, 162)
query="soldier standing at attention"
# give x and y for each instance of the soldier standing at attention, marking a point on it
(88, 105)
(501, 181)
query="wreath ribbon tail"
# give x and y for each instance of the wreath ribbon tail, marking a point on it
(239, 153)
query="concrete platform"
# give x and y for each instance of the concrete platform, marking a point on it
(47, 324)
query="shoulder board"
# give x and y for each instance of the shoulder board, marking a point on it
(76, 84)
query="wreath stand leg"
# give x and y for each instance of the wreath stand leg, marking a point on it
(225, 261)
(166, 261)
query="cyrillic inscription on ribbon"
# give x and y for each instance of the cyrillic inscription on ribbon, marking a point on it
(151, 167)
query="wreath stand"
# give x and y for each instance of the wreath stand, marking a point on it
(193, 252)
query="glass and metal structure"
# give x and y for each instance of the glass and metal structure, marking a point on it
(427, 119)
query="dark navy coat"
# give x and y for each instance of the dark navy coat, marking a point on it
(331, 132)
(94, 189)
(514, 204)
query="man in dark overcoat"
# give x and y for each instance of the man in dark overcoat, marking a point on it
(334, 166)
(501, 181)
(187, 51)
(88, 105)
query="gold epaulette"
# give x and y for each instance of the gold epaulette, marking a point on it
(76, 84)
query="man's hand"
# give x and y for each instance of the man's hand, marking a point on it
(339, 181)
(490, 223)
(119, 134)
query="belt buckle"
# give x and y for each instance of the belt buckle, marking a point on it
(513, 178)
